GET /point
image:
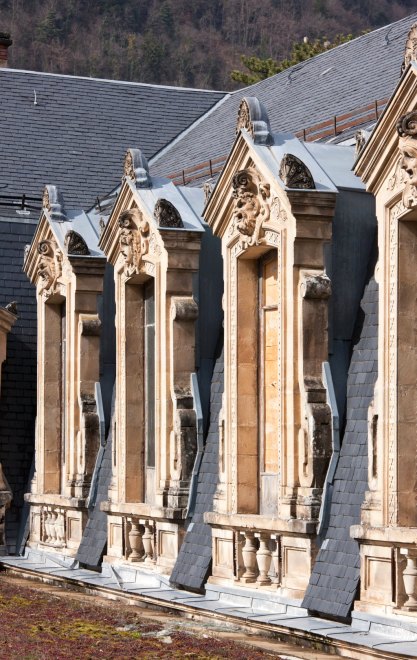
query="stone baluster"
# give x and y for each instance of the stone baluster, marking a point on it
(47, 526)
(249, 558)
(52, 528)
(60, 528)
(263, 557)
(135, 541)
(410, 579)
(276, 560)
(148, 543)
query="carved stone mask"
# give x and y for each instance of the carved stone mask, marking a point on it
(408, 150)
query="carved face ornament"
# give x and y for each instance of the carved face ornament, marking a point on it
(407, 145)
(250, 210)
(133, 239)
(49, 266)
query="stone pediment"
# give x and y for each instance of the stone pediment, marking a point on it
(146, 212)
(381, 163)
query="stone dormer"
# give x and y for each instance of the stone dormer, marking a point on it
(272, 208)
(152, 239)
(67, 268)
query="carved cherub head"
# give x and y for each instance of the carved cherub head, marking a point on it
(408, 151)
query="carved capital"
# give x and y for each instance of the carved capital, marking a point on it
(136, 168)
(90, 327)
(407, 145)
(133, 239)
(251, 208)
(75, 244)
(318, 287)
(49, 266)
(166, 215)
(253, 117)
(295, 174)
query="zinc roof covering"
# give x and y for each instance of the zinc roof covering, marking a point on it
(336, 82)
(73, 132)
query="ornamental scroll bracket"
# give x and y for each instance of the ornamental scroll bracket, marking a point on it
(251, 208)
(407, 145)
(134, 237)
(410, 52)
(136, 168)
(295, 174)
(75, 244)
(49, 266)
(52, 203)
(253, 117)
(166, 215)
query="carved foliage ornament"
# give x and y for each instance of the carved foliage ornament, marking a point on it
(133, 239)
(410, 52)
(166, 215)
(75, 244)
(253, 117)
(49, 266)
(251, 208)
(295, 174)
(407, 144)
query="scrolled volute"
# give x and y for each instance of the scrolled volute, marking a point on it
(136, 168)
(253, 117)
(295, 174)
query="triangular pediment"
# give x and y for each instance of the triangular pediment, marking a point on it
(379, 163)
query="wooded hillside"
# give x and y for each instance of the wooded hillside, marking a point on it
(178, 42)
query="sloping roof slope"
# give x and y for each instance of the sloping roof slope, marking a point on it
(335, 577)
(193, 563)
(73, 132)
(333, 83)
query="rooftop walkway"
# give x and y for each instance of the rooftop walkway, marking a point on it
(260, 610)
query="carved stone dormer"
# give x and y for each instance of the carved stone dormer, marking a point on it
(136, 168)
(166, 215)
(251, 207)
(52, 203)
(410, 52)
(407, 145)
(295, 174)
(253, 117)
(49, 265)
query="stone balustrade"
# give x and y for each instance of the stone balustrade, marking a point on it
(141, 543)
(258, 558)
(53, 526)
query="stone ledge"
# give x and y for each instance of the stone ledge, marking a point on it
(256, 522)
(55, 500)
(140, 509)
(385, 535)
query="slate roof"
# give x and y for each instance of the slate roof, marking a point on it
(77, 132)
(193, 562)
(335, 577)
(333, 83)
(18, 391)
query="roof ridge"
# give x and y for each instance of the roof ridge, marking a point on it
(108, 80)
